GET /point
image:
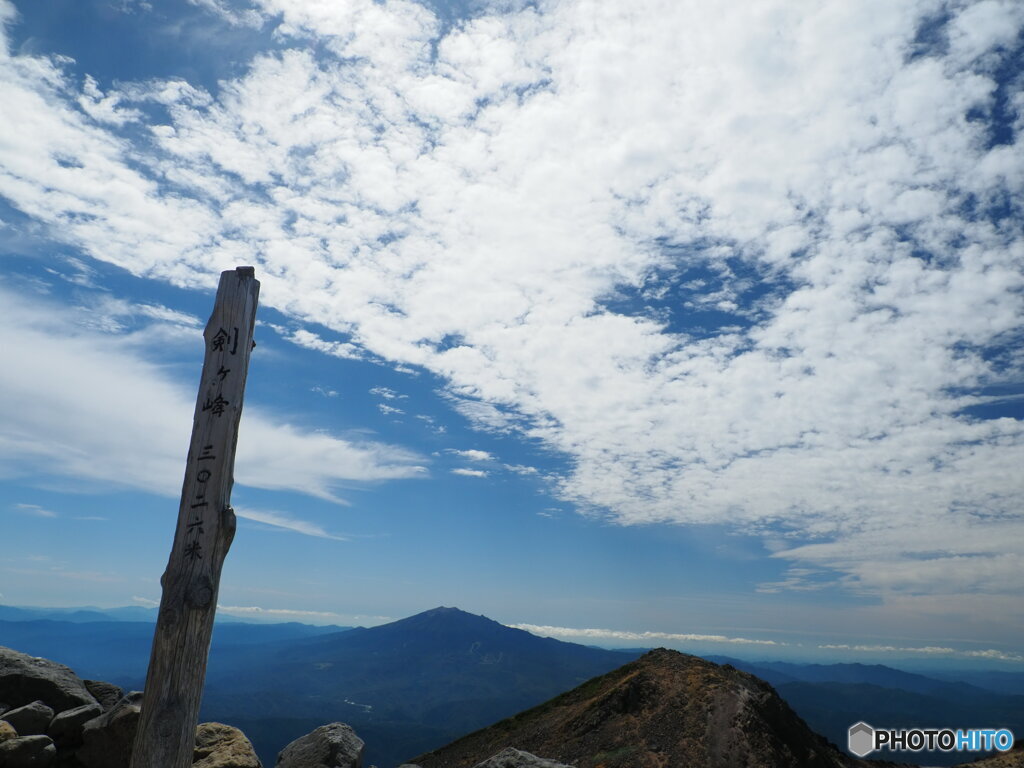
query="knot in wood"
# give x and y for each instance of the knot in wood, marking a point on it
(200, 592)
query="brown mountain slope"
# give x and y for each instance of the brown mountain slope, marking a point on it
(665, 710)
(1012, 759)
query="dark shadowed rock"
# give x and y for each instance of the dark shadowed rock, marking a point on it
(329, 746)
(107, 739)
(107, 694)
(24, 679)
(516, 758)
(66, 728)
(221, 746)
(30, 720)
(27, 752)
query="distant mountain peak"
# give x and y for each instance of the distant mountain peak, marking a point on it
(443, 610)
(442, 618)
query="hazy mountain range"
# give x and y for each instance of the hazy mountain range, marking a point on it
(415, 684)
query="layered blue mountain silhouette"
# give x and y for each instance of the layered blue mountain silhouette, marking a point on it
(416, 684)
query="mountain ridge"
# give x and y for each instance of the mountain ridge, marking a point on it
(663, 709)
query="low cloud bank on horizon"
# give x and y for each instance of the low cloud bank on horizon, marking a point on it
(751, 265)
(640, 637)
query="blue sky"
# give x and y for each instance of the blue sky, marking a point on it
(630, 322)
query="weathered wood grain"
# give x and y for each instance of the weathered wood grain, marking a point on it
(206, 526)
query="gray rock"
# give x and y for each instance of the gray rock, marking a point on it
(66, 728)
(30, 720)
(221, 746)
(24, 679)
(107, 739)
(329, 746)
(107, 694)
(27, 752)
(516, 758)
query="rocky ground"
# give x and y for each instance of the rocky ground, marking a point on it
(50, 718)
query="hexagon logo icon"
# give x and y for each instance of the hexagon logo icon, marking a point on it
(861, 739)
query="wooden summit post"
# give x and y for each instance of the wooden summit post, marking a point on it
(206, 526)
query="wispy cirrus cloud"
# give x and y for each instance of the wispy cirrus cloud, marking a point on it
(87, 426)
(758, 275)
(287, 522)
(34, 510)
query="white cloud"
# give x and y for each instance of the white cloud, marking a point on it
(473, 213)
(929, 650)
(103, 107)
(76, 402)
(246, 18)
(797, 580)
(639, 637)
(469, 472)
(113, 315)
(521, 469)
(35, 510)
(991, 653)
(286, 522)
(310, 340)
(255, 611)
(474, 455)
(386, 393)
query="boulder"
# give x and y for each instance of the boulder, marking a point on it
(7, 731)
(107, 739)
(66, 728)
(221, 746)
(27, 752)
(30, 720)
(330, 746)
(107, 694)
(24, 679)
(516, 758)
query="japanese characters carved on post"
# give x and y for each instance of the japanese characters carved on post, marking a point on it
(205, 530)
